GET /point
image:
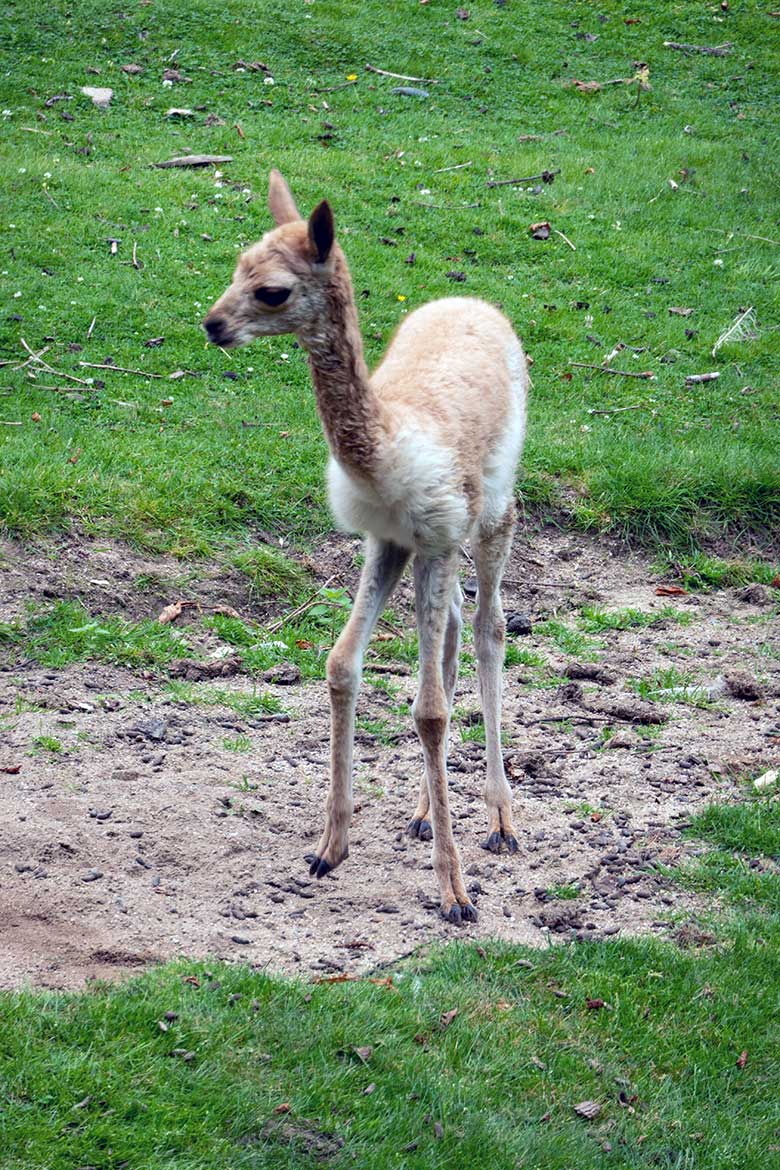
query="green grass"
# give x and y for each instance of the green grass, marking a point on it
(172, 465)
(256, 1071)
(47, 743)
(698, 570)
(240, 744)
(595, 620)
(271, 573)
(243, 703)
(66, 632)
(565, 891)
(656, 686)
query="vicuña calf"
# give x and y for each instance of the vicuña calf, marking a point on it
(423, 454)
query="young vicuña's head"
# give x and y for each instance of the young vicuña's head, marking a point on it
(279, 283)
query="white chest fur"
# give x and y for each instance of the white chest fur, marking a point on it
(416, 503)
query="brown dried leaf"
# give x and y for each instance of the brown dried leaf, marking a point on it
(742, 1059)
(446, 1018)
(540, 231)
(679, 311)
(170, 613)
(586, 86)
(131, 70)
(588, 1109)
(364, 1053)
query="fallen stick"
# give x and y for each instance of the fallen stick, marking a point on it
(307, 604)
(195, 160)
(545, 177)
(620, 373)
(693, 379)
(401, 76)
(136, 263)
(565, 238)
(36, 356)
(120, 369)
(710, 50)
(91, 327)
(615, 410)
(457, 167)
(3, 423)
(51, 370)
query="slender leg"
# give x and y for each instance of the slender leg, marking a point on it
(383, 567)
(490, 554)
(434, 583)
(420, 826)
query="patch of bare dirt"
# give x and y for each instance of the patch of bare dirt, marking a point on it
(146, 837)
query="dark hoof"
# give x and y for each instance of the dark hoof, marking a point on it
(319, 867)
(421, 829)
(496, 840)
(458, 915)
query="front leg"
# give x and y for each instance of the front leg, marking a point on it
(382, 570)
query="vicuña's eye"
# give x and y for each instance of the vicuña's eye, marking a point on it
(272, 296)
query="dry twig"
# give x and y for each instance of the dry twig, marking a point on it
(545, 177)
(314, 599)
(120, 369)
(621, 373)
(710, 50)
(50, 369)
(694, 379)
(401, 76)
(565, 239)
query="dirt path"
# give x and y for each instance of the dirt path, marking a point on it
(147, 838)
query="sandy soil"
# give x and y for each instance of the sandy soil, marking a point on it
(145, 838)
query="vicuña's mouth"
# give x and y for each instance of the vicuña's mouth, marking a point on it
(218, 332)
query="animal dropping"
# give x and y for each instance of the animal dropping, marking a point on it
(423, 456)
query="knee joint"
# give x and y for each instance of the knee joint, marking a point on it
(342, 672)
(431, 721)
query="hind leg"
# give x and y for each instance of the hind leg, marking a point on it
(420, 825)
(491, 551)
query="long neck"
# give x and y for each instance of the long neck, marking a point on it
(347, 405)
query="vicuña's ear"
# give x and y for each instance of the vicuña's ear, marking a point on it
(280, 200)
(321, 230)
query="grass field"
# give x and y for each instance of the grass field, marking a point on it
(173, 464)
(464, 1057)
(663, 199)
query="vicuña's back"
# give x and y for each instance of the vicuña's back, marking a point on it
(423, 455)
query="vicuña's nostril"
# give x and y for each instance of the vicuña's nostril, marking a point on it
(215, 327)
